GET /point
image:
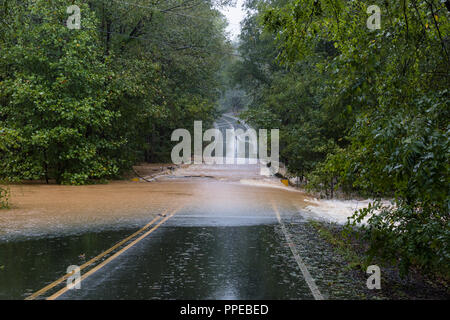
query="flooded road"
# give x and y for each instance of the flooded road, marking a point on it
(215, 234)
(224, 245)
(247, 262)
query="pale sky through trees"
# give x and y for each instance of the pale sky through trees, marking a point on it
(234, 15)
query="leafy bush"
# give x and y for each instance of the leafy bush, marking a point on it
(408, 236)
(4, 197)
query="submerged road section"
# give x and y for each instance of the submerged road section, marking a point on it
(224, 234)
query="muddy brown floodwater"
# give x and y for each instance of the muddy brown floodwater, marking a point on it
(221, 232)
(225, 223)
(38, 210)
(227, 238)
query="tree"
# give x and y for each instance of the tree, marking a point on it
(367, 111)
(54, 98)
(84, 105)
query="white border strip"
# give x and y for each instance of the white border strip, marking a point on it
(309, 280)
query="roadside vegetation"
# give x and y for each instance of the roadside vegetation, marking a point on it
(351, 247)
(360, 111)
(4, 197)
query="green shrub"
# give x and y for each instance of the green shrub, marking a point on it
(407, 236)
(4, 197)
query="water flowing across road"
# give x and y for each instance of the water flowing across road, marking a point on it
(222, 232)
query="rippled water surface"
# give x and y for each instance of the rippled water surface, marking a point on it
(224, 242)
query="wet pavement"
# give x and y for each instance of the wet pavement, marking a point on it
(224, 242)
(246, 262)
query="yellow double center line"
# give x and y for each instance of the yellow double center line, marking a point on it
(101, 255)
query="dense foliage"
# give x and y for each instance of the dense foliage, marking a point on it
(361, 110)
(78, 105)
(4, 197)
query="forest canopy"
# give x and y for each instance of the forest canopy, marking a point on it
(79, 105)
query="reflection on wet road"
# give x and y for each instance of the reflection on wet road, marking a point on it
(206, 251)
(246, 262)
(28, 265)
(224, 243)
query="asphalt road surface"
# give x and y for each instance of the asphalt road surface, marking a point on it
(223, 235)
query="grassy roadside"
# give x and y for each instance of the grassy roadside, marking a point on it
(333, 235)
(415, 285)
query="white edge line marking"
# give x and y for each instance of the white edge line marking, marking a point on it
(309, 280)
